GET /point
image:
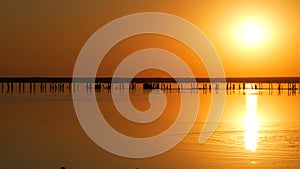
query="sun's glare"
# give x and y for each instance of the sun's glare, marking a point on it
(251, 33)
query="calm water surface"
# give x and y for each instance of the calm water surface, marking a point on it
(259, 129)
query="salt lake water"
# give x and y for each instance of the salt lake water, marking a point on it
(259, 129)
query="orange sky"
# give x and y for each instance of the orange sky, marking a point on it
(44, 38)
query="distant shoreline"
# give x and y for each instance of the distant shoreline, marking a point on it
(148, 80)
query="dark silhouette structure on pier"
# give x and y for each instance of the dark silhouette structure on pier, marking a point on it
(62, 85)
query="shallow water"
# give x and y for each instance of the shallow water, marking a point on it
(41, 130)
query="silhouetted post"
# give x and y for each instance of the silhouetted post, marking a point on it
(293, 86)
(54, 87)
(19, 87)
(74, 87)
(87, 86)
(8, 87)
(294, 89)
(259, 86)
(244, 86)
(233, 86)
(204, 89)
(217, 87)
(272, 86)
(41, 87)
(30, 87)
(62, 87)
(11, 87)
(57, 87)
(1, 87)
(23, 87)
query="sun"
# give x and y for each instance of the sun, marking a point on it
(251, 33)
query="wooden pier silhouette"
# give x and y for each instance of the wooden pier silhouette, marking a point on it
(63, 84)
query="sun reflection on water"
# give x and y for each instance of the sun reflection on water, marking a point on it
(251, 121)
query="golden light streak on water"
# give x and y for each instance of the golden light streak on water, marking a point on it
(251, 123)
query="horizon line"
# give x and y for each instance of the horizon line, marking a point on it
(149, 79)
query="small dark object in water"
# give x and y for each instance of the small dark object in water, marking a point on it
(97, 86)
(150, 86)
(147, 86)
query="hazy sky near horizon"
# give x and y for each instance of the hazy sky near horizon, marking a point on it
(44, 38)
